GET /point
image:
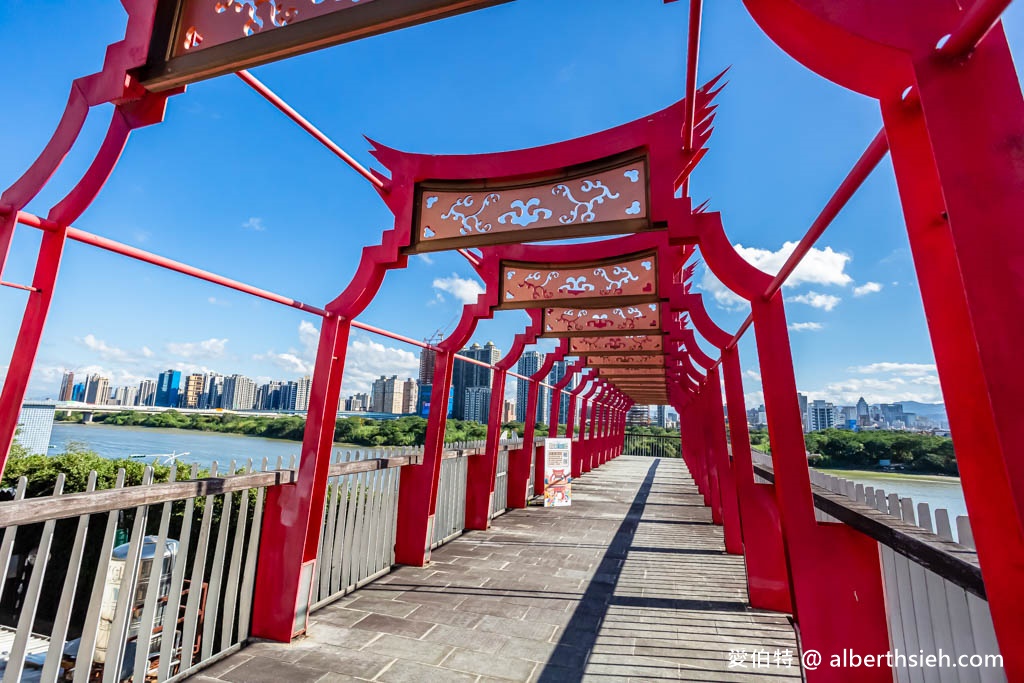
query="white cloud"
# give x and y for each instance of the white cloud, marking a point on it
(806, 327)
(752, 375)
(723, 296)
(309, 337)
(816, 300)
(426, 258)
(289, 362)
(819, 267)
(209, 348)
(465, 290)
(367, 360)
(147, 352)
(255, 224)
(104, 350)
(753, 399)
(867, 288)
(905, 369)
(878, 390)
(885, 382)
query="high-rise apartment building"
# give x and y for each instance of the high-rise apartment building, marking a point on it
(558, 371)
(427, 359)
(660, 416)
(97, 390)
(295, 395)
(239, 393)
(358, 403)
(78, 393)
(802, 399)
(529, 364)
(67, 387)
(387, 395)
(820, 415)
(147, 392)
(478, 404)
(410, 395)
(863, 414)
(126, 396)
(508, 411)
(168, 385)
(213, 397)
(466, 375)
(195, 384)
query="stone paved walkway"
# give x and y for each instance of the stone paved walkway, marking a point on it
(629, 584)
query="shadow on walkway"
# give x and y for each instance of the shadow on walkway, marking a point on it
(569, 660)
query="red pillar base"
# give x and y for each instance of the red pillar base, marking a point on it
(518, 477)
(479, 493)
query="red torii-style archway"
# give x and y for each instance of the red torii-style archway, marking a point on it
(919, 58)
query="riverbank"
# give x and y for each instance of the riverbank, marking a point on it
(880, 474)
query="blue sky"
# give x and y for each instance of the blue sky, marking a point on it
(227, 184)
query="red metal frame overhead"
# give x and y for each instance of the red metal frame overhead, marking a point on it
(962, 196)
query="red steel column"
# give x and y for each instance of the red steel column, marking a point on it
(971, 337)
(293, 513)
(570, 433)
(726, 478)
(711, 464)
(417, 492)
(765, 556)
(482, 469)
(834, 570)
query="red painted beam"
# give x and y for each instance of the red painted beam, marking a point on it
(692, 53)
(15, 285)
(295, 116)
(978, 20)
(867, 163)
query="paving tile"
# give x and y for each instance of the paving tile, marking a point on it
(263, 670)
(440, 615)
(379, 605)
(411, 672)
(356, 663)
(422, 651)
(394, 625)
(533, 630)
(467, 639)
(488, 664)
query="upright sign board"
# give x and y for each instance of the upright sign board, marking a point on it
(557, 472)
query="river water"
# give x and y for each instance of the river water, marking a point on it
(202, 447)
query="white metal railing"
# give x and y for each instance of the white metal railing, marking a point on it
(177, 592)
(450, 510)
(925, 610)
(357, 541)
(499, 501)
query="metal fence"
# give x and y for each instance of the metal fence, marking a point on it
(650, 445)
(450, 511)
(499, 501)
(133, 582)
(927, 608)
(357, 542)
